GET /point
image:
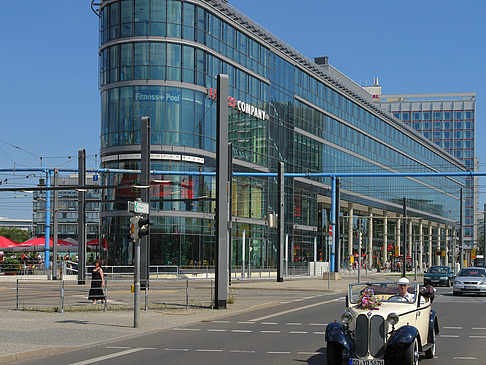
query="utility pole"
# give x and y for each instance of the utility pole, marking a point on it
(360, 237)
(47, 221)
(484, 231)
(404, 243)
(222, 190)
(337, 230)
(281, 222)
(461, 232)
(55, 225)
(145, 195)
(81, 217)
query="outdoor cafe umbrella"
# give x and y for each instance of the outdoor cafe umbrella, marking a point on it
(7, 244)
(38, 244)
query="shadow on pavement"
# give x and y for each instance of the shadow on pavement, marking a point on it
(319, 359)
(73, 321)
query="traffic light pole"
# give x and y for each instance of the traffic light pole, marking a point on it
(136, 286)
(55, 228)
(281, 222)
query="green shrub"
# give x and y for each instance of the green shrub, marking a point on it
(11, 265)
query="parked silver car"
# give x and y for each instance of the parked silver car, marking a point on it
(470, 280)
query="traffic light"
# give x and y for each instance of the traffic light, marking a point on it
(142, 227)
(133, 228)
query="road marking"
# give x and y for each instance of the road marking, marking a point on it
(477, 336)
(452, 336)
(208, 350)
(319, 333)
(176, 349)
(245, 322)
(271, 323)
(242, 331)
(479, 328)
(270, 331)
(110, 356)
(220, 321)
(216, 330)
(186, 329)
(295, 310)
(278, 352)
(464, 358)
(293, 324)
(308, 353)
(452, 328)
(243, 351)
(298, 332)
(317, 324)
(117, 347)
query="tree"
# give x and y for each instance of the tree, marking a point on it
(16, 234)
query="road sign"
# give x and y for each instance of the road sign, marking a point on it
(397, 250)
(330, 230)
(139, 207)
(473, 254)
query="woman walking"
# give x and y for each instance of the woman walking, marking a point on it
(97, 284)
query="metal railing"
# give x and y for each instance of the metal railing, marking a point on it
(67, 295)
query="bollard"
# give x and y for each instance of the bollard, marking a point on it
(105, 303)
(62, 294)
(187, 294)
(146, 299)
(211, 301)
(17, 296)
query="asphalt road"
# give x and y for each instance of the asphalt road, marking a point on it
(289, 333)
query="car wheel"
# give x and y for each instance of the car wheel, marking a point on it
(334, 353)
(430, 353)
(411, 356)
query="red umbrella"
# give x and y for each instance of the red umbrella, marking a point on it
(7, 243)
(95, 243)
(41, 241)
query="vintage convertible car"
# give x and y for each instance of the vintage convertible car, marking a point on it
(380, 325)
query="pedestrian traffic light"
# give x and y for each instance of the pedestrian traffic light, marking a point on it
(133, 228)
(142, 227)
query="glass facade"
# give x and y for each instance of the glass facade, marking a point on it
(68, 210)
(159, 58)
(450, 123)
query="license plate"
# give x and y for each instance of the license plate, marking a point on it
(366, 362)
(470, 288)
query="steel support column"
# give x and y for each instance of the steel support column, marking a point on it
(222, 187)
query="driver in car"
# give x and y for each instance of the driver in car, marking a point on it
(403, 294)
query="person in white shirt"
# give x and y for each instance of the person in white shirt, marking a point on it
(403, 294)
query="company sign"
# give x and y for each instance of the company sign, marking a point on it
(242, 106)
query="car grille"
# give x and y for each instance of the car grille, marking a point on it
(471, 283)
(370, 333)
(362, 330)
(377, 336)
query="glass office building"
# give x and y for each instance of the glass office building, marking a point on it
(68, 209)
(448, 120)
(160, 58)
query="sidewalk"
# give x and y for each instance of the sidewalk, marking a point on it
(27, 335)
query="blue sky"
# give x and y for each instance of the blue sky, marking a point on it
(49, 99)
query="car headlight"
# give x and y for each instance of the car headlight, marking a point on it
(346, 317)
(392, 319)
(483, 282)
(457, 282)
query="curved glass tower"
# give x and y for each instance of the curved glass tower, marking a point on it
(160, 58)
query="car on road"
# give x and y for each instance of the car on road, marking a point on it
(470, 280)
(384, 323)
(439, 275)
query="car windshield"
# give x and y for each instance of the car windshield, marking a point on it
(473, 272)
(439, 270)
(384, 292)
